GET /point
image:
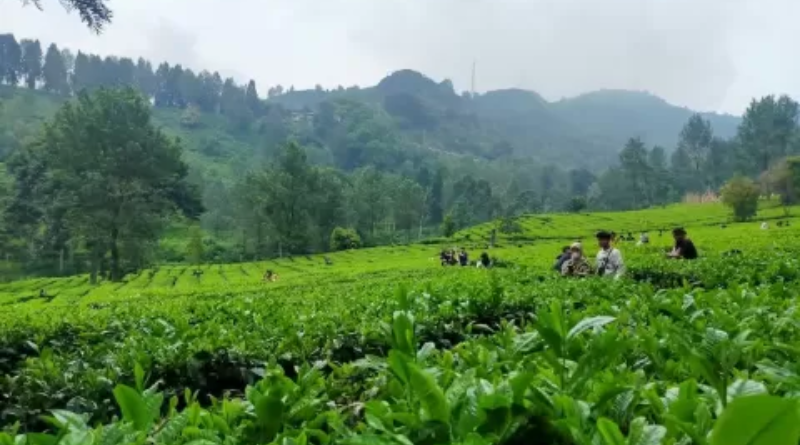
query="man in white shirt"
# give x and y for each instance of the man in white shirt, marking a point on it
(609, 259)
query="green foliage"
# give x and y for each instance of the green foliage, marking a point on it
(783, 178)
(195, 252)
(103, 177)
(741, 195)
(758, 420)
(344, 239)
(401, 350)
(767, 131)
(93, 13)
(401, 154)
(448, 226)
(577, 204)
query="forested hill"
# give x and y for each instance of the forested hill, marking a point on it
(585, 131)
(405, 121)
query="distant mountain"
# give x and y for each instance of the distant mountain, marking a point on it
(584, 131)
(620, 114)
(406, 119)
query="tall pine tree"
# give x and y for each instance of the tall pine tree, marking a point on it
(54, 72)
(31, 62)
(10, 59)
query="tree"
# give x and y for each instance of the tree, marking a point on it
(784, 178)
(767, 130)
(195, 252)
(633, 162)
(472, 201)
(233, 104)
(344, 239)
(681, 172)
(252, 99)
(145, 78)
(741, 195)
(436, 201)
(288, 198)
(31, 62)
(409, 205)
(69, 60)
(580, 180)
(54, 72)
(329, 202)
(210, 89)
(111, 175)
(448, 226)
(577, 204)
(81, 73)
(659, 176)
(94, 13)
(695, 139)
(10, 59)
(721, 162)
(369, 199)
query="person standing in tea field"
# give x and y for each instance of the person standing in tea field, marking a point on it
(463, 258)
(609, 258)
(576, 265)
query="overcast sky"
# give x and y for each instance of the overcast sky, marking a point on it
(704, 54)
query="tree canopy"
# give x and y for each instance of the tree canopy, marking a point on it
(94, 13)
(101, 177)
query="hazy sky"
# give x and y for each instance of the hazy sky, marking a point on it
(705, 54)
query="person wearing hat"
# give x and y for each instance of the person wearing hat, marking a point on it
(609, 259)
(684, 247)
(576, 265)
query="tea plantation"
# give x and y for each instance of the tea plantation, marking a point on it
(385, 346)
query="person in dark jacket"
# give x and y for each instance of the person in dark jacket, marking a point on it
(463, 258)
(562, 258)
(485, 262)
(684, 247)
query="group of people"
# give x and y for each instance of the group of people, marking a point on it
(461, 258)
(573, 262)
(765, 225)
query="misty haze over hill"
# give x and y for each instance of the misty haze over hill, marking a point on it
(583, 131)
(708, 55)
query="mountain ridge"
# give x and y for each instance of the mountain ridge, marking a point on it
(587, 130)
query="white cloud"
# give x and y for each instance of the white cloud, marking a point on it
(706, 54)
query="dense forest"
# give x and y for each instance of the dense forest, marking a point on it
(254, 177)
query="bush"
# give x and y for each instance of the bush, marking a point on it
(190, 118)
(576, 204)
(741, 195)
(448, 226)
(783, 178)
(345, 239)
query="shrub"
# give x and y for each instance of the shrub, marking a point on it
(741, 195)
(448, 226)
(345, 239)
(576, 204)
(190, 118)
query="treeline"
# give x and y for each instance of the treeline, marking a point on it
(292, 206)
(701, 162)
(63, 72)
